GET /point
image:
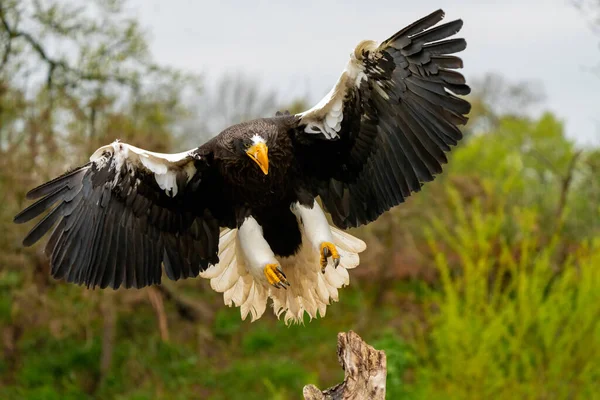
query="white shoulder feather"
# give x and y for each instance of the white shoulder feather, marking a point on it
(327, 115)
(164, 166)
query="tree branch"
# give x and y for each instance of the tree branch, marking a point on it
(366, 370)
(55, 64)
(566, 185)
(187, 308)
(156, 299)
(109, 322)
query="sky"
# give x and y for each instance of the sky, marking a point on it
(299, 48)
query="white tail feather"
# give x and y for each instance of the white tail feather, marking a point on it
(310, 292)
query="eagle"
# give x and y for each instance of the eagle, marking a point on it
(242, 210)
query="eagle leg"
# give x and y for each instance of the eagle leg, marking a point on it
(275, 276)
(318, 232)
(258, 256)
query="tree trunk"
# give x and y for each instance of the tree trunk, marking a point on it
(366, 370)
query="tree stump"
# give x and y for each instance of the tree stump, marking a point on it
(365, 368)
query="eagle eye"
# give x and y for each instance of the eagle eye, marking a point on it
(241, 145)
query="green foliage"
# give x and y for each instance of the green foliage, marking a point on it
(517, 317)
(517, 155)
(227, 323)
(531, 163)
(61, 362)
(54, 369)
(400, 361)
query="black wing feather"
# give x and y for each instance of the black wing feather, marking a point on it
(397, 124)
(117, 227)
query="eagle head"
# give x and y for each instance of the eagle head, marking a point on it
(256, 148)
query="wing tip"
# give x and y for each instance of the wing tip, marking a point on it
(18, 219)
(29, 240)
(436, 15)
(34, 193)
(46, 187)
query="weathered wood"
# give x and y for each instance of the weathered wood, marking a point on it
(366, 370)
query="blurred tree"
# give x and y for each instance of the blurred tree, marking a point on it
(234, 98)
(72, 76)
(83, 64)
(493, 96)
(535, 164)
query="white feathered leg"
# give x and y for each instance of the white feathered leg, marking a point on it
(318, 232)
(314, 223)
(240, 273)
(259, 257)
(311, 289)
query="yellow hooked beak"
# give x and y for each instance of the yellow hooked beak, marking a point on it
(258, 153)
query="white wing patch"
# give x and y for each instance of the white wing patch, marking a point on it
(239, 275)
(327, 115)
(164, 166)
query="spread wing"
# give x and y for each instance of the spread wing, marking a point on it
(385, 126)
(123, 216)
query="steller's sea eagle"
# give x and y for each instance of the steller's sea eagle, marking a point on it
(241, 209)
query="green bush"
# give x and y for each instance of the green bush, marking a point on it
(516, 316)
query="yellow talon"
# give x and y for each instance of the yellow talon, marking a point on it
(329, 250)
(275, 276)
